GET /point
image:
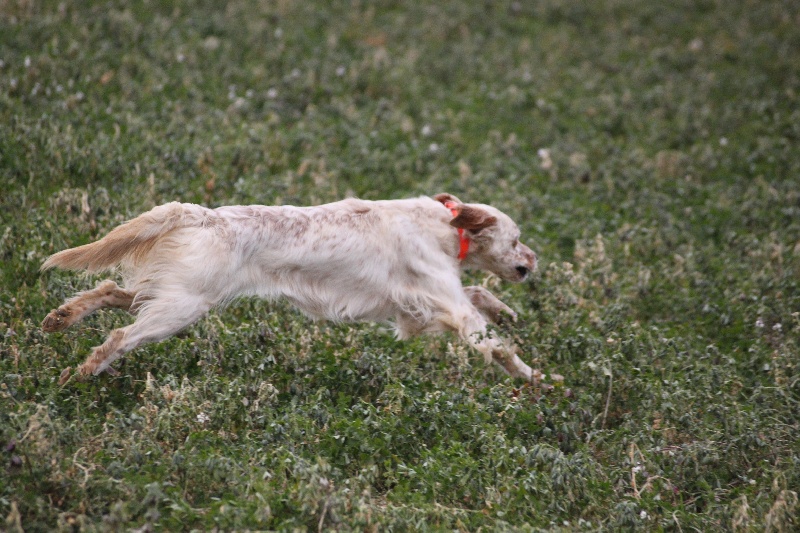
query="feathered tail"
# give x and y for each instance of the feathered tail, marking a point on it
(133, 238)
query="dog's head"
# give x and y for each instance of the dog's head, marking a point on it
(494, 239)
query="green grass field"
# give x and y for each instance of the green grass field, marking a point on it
(650, 152)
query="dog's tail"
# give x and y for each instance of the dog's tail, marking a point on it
(130, 240)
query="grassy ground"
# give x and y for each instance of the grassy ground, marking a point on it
(648, 149)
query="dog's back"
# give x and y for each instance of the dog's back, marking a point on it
(349, 260)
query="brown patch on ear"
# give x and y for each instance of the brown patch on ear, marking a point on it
(472, 218)
(446, 197)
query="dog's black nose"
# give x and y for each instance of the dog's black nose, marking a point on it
(523, 271)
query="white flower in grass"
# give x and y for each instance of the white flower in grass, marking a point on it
(546, 160)
(759, 323)
(202, 418)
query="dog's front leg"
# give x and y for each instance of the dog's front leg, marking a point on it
(501, 352)
(488, 304)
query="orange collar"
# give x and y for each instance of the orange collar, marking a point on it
(463, 242)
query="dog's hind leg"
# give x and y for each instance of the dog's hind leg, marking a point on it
(106, 294)
(158, 319)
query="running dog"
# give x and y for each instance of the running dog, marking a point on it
(396, 261)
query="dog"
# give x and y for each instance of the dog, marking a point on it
(395, 261)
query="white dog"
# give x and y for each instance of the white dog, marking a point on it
(388, 261)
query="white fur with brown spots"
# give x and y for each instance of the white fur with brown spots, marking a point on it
(354, 260)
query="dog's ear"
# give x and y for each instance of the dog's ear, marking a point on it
(472, 218)
(446, 197)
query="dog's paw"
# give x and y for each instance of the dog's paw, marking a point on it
(505, 314)
(92, 369)
(85, 370)
(65, 375)
(57, 320)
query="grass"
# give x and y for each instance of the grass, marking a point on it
(648, 150)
